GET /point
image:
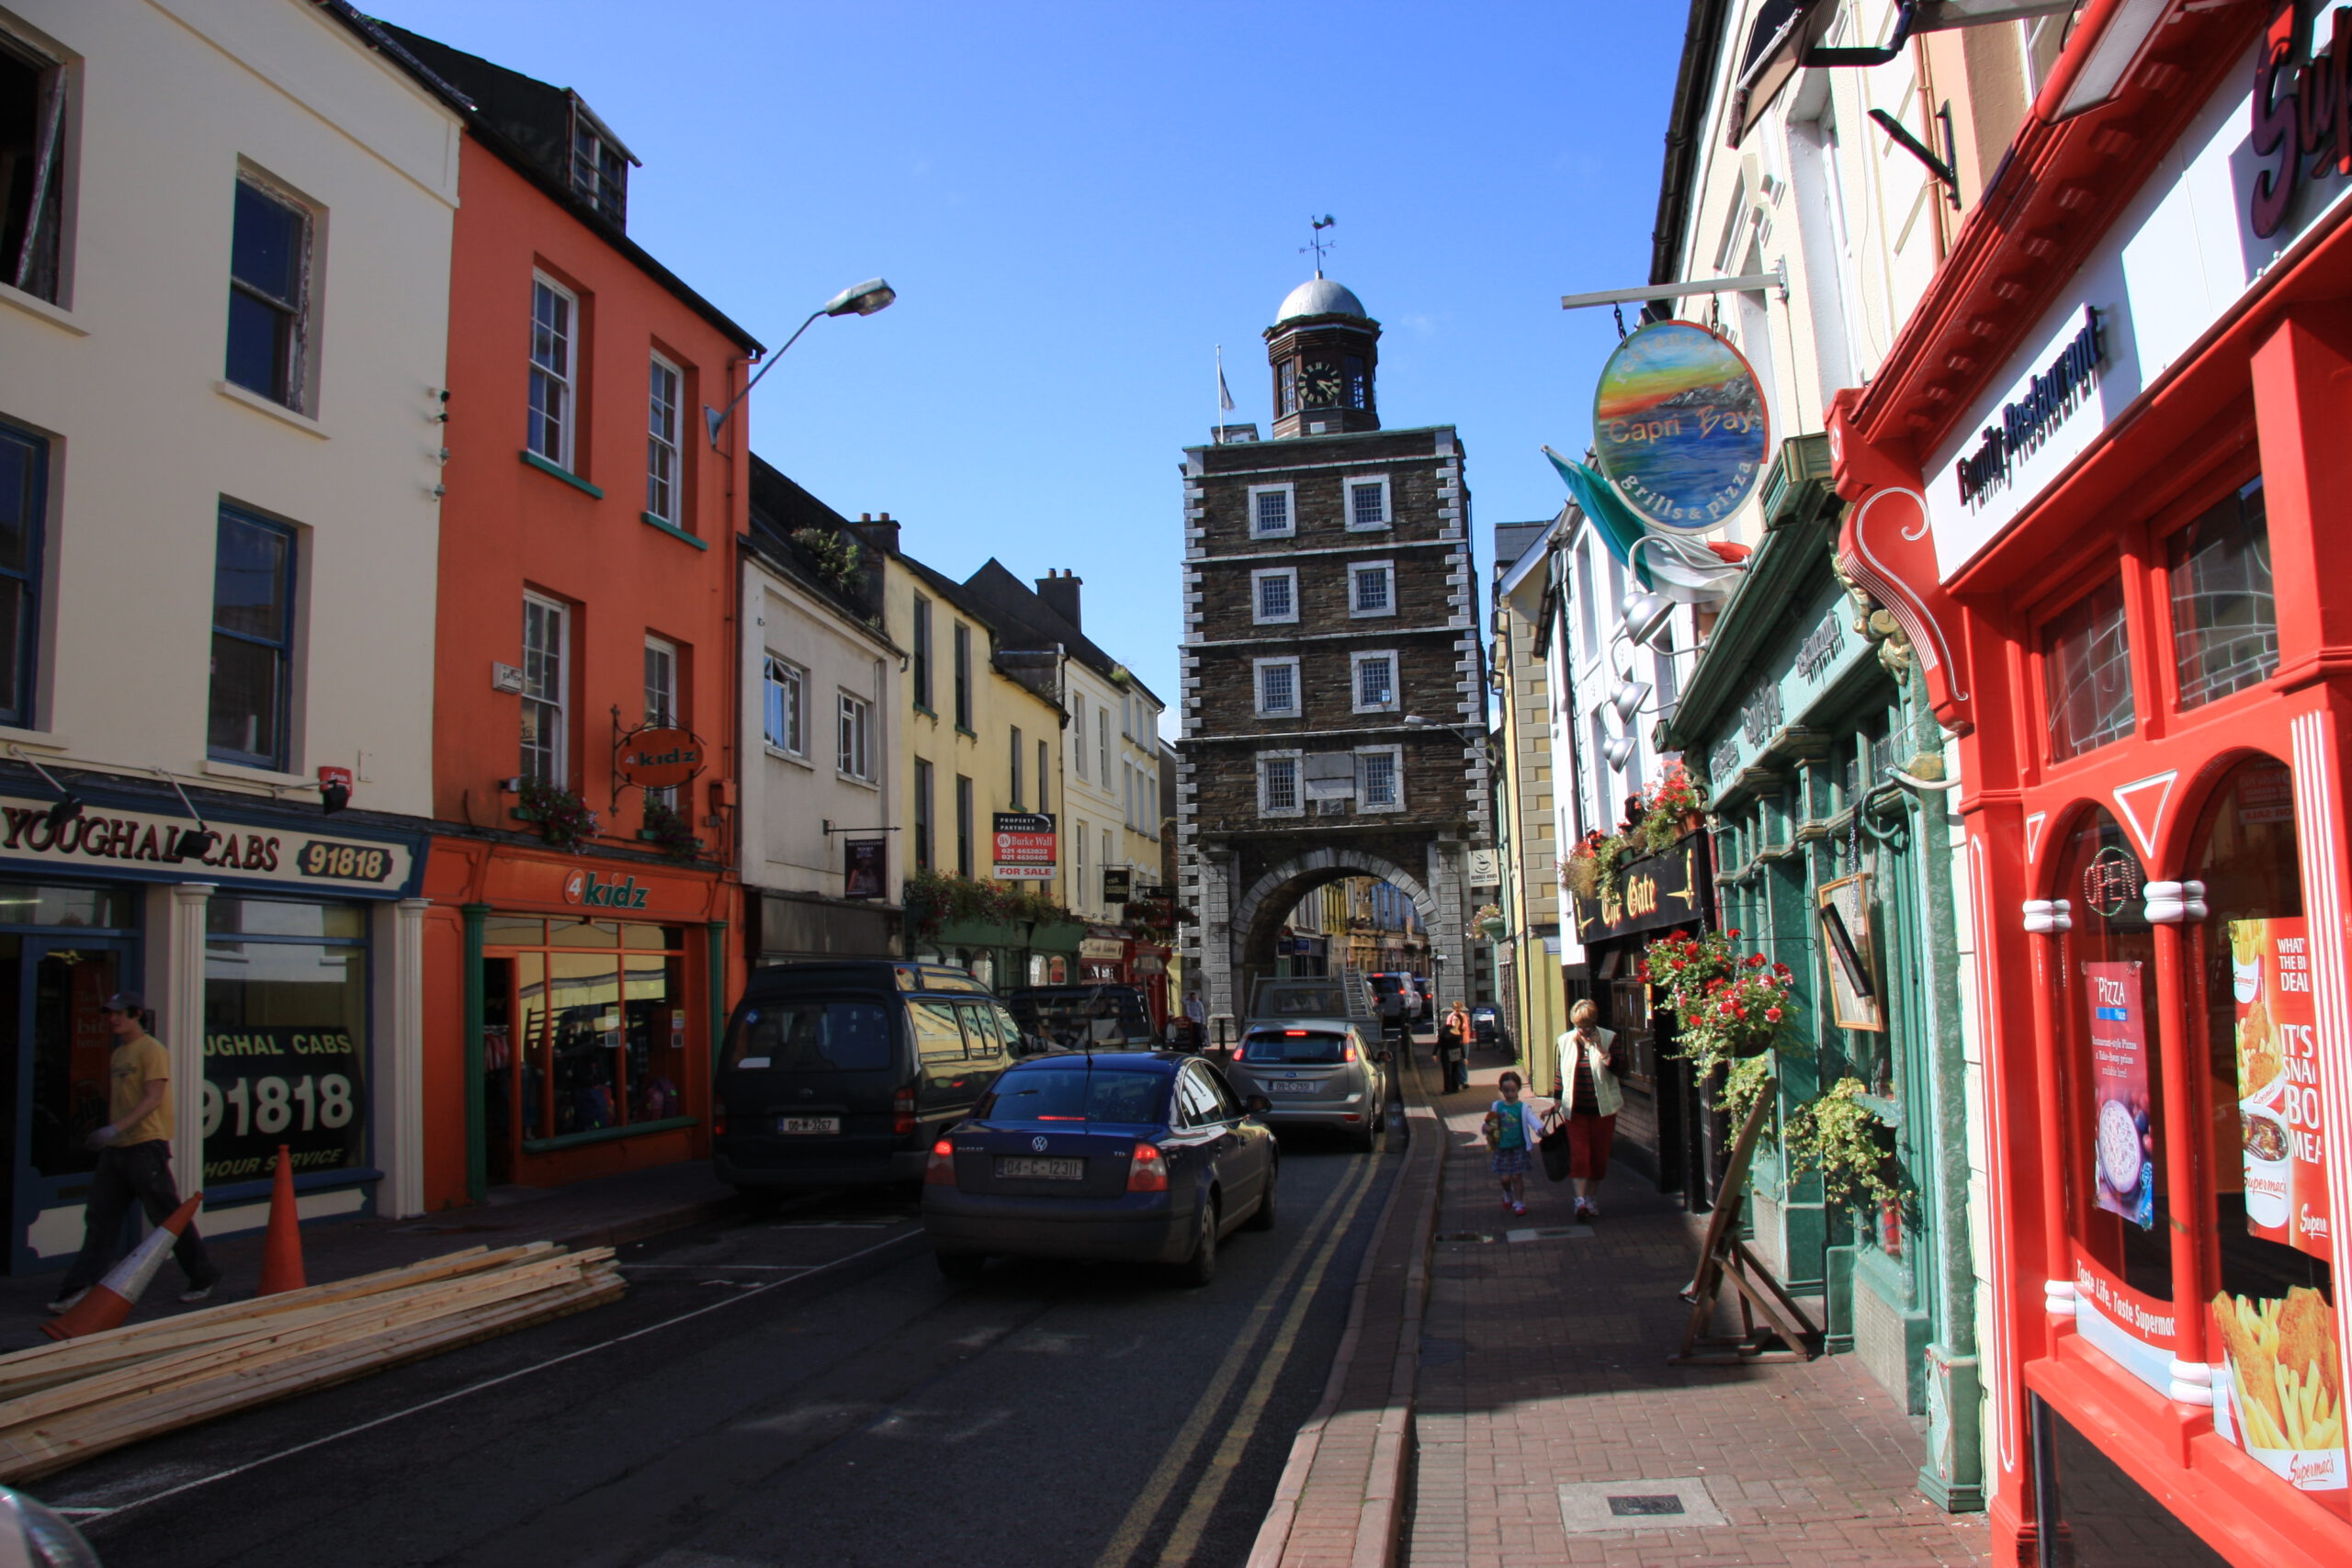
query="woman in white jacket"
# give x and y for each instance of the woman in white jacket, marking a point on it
(1585, 1083)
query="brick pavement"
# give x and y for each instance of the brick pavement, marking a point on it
(1544, 1363)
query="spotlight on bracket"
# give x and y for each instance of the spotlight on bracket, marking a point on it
(1645, 613)
(1620, 752)
(1628, 698)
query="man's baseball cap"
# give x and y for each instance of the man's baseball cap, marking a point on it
(125, 1002)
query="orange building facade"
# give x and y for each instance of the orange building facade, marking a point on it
(577, 965)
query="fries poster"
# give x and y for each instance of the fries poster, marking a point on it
(2279, 1391)
(2122, 1149)
(2281, 1129)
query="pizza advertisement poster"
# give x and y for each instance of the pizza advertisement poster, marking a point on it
(2281, 1127)
(2279, 1388)
(2124, 1150)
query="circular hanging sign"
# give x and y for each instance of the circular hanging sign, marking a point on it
(1680, 427)
(660, 758)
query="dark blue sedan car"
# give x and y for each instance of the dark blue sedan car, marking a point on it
(1142, 1155)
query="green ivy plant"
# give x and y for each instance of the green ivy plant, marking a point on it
(563, 818)
(1848, 1143)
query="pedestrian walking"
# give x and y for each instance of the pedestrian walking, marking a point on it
(1584, 1082)
(1511, 1128)
(1453, 1048)
(134, 1159)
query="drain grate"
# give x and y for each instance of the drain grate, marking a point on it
(1638, 1503)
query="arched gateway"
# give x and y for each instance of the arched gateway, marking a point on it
(1333, 689)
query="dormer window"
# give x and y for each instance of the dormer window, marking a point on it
(599, 165)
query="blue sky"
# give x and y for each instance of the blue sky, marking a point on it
(1077, 203)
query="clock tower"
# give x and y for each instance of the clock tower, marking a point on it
(1323, 349)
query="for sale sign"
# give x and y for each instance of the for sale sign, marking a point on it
(1024, 845)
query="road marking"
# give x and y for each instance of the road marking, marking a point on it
(1129, 1536)
(1184, 1537)
(728, 1268)
(482, 1386)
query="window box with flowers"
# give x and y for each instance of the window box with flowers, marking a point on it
(562, 818)
(1672, 808)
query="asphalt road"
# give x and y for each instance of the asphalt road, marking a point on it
(805, 1389)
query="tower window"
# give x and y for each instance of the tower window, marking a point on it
(1270, 511)
(1277, 687)
(1287, 386)
(1371, 588)
(1278, 794)
(1359, 383)
(1368, 502)
(1375, 681)
(1276, 594)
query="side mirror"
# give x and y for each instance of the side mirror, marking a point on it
(1257, 1105)
(1383, 1056)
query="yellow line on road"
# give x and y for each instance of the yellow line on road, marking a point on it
(1185, 1538)
(1195, 1431)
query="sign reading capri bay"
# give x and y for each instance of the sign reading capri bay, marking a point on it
(280, 1084)
(1679, 425)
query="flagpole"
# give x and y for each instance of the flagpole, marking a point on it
(1220, 394)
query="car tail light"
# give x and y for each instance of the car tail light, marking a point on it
(1147, 1170)
(939, 1171)
(719, 1123)
(902, 1112)
(1348, 1051)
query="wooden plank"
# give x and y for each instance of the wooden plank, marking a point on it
(40, 1450)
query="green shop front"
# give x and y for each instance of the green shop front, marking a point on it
(999, 933)
(1825, 776)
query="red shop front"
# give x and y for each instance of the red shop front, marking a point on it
(571, 1004)
(2102, 481)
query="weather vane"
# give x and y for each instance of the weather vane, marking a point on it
(1319, 245)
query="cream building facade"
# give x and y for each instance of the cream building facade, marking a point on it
(219, 401)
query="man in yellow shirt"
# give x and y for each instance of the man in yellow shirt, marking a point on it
(134, 1159)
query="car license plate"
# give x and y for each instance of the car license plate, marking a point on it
(808, 1123)
(1024, 1168)
(1291, 1086)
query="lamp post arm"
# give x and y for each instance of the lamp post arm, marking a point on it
(718, 419)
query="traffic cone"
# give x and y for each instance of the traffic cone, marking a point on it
(281, 1253)
(107, 1303)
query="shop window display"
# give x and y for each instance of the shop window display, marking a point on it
(584, 1029)
(285, 1037)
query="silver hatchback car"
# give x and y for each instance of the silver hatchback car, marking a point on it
(1315, 1073)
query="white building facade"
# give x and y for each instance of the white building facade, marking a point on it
(221, 355)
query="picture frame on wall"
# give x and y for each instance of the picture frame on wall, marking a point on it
(1843, 908)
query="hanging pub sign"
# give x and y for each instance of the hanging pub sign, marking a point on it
(865, 868)
(657, 757)
(1678, 426)
(1118, 883)
(1652, 893)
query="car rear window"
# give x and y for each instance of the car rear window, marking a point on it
(1070, 1093)
(812, 1036)
(1111, 1016)
(1304, 1004)
(1294, 1045)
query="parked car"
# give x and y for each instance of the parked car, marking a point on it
(1078, 1017)
(1285, 1000)
(845, 1072)
(1317, 1073)
(1146, 1156)
(1409, 988)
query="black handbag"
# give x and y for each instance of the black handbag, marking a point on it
(1554, 1147)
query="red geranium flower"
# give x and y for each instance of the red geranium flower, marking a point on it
(1773, 1014)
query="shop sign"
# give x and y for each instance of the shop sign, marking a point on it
(2278, 1388)
(659, 757)
(1025, 846)
(1822, 645)
(865, 868)
(2122, 1148)
(2292, 122)
(1653, 893)
(146, 842)
(1680, 426)
(1102, 948)
(294, 1085)
(2135, 1330)
(2110, 881)
(1118, 883)
(2045, 402)
(2281, 1127)
(594, 892)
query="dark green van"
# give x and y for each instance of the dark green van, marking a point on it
(843, 1072)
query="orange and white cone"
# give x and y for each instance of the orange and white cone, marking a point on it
(109, 1302)
(281, 1252)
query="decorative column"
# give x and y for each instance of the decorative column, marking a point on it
(180, 1011)
(2169, 905)
(398, 1058)
(2050, 919)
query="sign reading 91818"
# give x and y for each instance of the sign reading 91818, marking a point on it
(344, 862)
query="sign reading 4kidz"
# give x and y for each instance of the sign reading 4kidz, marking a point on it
(2283, 1130)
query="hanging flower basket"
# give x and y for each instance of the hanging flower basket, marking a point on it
(563, 819)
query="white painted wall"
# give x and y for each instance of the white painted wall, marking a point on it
(787, 798)
(1100, 803)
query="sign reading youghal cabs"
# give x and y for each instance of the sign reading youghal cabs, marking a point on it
(1678, 426)
(132, 842)
(1652, 893)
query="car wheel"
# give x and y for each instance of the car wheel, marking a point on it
(961, 1267)
(1201, 1267)
(1375, 1134)
(1263, 1218)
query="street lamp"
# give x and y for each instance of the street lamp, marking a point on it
(859, 300)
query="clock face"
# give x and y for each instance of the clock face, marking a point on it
(1322, 385)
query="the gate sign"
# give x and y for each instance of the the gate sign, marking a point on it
(1678, 426)
(659, 758)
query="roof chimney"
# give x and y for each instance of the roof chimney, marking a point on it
(878, 533)
(1059, 590)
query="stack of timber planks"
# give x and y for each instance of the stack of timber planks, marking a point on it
(65, 1402)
